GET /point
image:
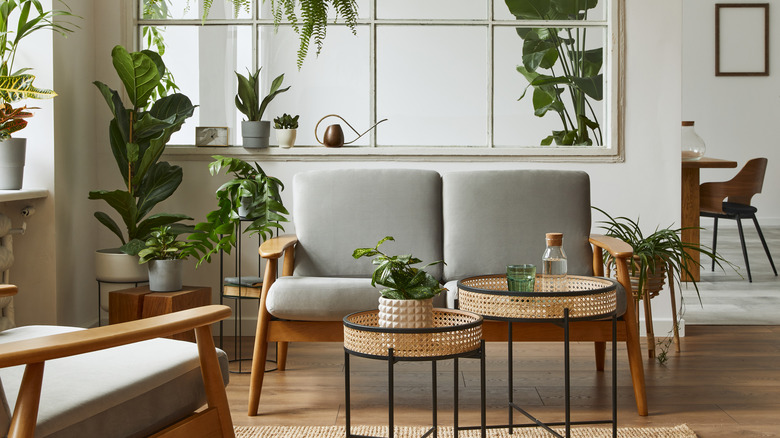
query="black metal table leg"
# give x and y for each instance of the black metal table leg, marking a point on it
(455, 396)
(435, 403)
(567, 379)
(509, 377)
(346, 394)
(483, 389)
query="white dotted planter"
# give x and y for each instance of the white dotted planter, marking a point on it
(405, 313)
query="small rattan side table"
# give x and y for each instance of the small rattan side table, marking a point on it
(587, 299)
(455, 334)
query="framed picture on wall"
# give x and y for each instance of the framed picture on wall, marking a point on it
(742, 39)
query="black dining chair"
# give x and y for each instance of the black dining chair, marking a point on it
(731, 200)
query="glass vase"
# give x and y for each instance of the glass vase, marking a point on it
(693, 146)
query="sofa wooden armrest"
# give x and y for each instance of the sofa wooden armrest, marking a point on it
(7, 290)
(275, 247)
(214, 421)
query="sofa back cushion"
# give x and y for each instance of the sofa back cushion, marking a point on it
(496, 218)
(336, 211)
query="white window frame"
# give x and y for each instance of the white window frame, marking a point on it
(614, 91)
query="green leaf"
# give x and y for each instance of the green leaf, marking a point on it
(539, 53)
(544, 100)
(529, 9)
(572, 8)
(592, 86)
(110, 224)
(18, 87)
(161, 181)
(139, 74)
(124, 203)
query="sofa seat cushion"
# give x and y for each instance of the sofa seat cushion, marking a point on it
(452, 296)
(320, 298)
(127, 391)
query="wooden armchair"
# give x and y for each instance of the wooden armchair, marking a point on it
(214, 421)
(466, 219)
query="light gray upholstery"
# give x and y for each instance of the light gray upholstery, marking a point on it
(496, 218)
(320, 298)
(336, 211)
(128, 391)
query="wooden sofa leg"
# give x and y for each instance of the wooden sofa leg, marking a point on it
(260, 351)
(212, 379)
(601, 351)
(281, 355)
(633, 347)
(649, 327)
(26, 409)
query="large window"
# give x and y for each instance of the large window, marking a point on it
(526, 78)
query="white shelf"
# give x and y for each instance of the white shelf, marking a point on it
(23, 194)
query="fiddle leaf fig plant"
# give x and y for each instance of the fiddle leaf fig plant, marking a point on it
(138, 135)
(396, 273)
(564, 76)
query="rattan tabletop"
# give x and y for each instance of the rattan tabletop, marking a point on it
(454, 333)
(587, 298)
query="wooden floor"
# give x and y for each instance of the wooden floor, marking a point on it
(724, 383)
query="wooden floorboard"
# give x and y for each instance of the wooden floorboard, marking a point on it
(724, 383)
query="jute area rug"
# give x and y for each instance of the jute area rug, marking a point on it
(681, 431)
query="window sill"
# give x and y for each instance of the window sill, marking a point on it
(320, 153)
(22, 195)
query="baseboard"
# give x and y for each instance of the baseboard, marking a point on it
(662, 327)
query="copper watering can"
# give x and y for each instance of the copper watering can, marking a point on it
(334, 135)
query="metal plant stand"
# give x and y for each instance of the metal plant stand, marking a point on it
(587, 299)
(455, 334)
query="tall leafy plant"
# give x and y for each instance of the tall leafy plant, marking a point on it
(138, 135)
(564, 76)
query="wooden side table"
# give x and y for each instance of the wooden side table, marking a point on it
(140, 302)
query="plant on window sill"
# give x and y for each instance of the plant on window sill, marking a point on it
(573, 69)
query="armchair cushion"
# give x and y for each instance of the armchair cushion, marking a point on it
(336, 211)
(493, 218)
(127, 391)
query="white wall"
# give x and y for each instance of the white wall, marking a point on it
(736, 116)
(653, 114)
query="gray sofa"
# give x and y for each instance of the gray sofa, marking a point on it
(477, 222)
(131, 390)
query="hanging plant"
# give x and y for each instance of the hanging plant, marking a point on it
(310, 25)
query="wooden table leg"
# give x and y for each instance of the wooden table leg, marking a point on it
(690, 217)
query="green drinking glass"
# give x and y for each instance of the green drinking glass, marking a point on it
(520, 278)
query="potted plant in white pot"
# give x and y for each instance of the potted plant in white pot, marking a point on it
(251, 195)
(137, 136)
(286, 127)
(408, 300)
(254, 130)
(164, 256)
(18, 85)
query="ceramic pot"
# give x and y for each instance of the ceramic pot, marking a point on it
(12, 154)
(165, 275)
(255, 134)
(116, 270)
(405, 313)
(286, 137)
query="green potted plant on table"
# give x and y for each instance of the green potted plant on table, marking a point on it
(254, 130)
(137, 136)
(16, 85)
(408, 300)
(251, 195)
(164, 256)
(286, 127)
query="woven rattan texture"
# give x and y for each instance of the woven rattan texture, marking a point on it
(453, 335)
(517, 305)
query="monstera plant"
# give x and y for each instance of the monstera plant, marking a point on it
(138, 135)
(563, 75)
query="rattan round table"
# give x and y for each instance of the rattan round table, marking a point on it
(583, 299)
(455, 334)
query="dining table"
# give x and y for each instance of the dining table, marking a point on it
(691, 207)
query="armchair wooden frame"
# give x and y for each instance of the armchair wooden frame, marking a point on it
(600, 332)
(214, 421)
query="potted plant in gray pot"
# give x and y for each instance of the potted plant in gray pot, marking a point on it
(18, 85)
(251, 195)
(408, 300)
(164, 256)
(137, 136)
(254, 130)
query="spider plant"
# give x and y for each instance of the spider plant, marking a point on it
(663, 244)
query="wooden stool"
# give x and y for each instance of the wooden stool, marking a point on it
(139, 302)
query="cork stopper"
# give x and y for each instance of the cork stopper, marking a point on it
(554, 239)
(687, 123)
